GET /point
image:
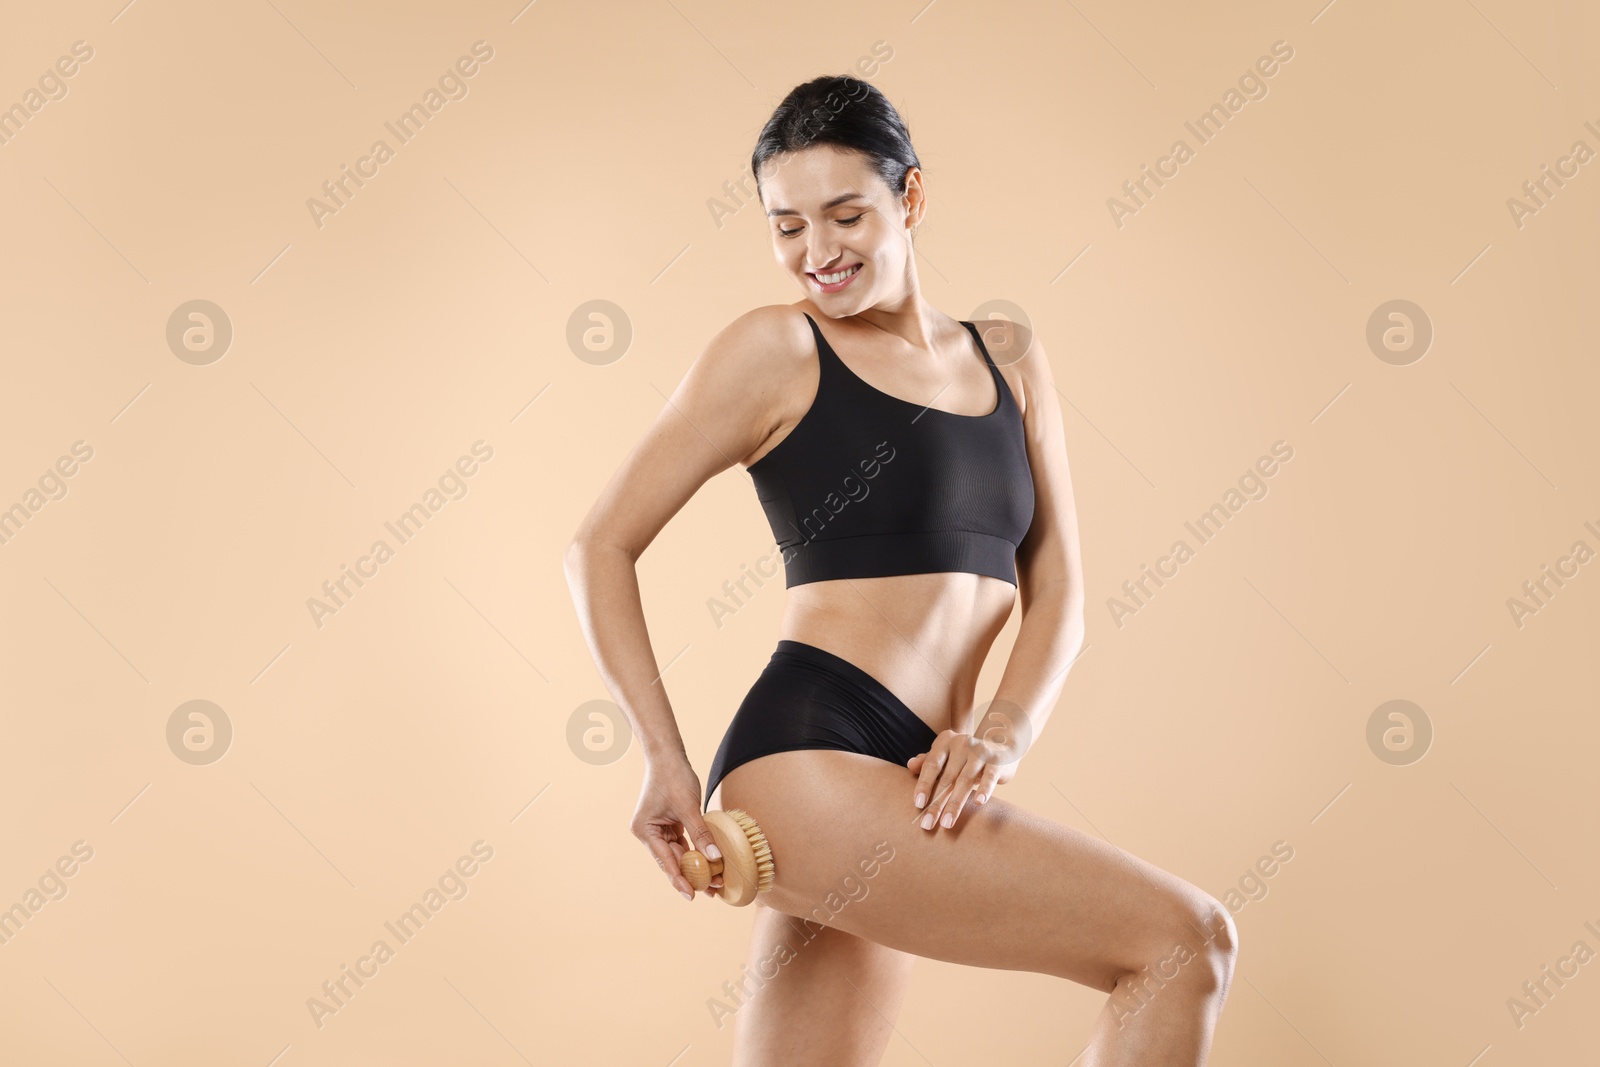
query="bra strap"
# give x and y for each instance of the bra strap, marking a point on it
(978, 337)
(1000, 382)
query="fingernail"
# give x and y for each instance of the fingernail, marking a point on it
(948, 821)
(927, 821)
(688, 896)
(922, 798)
(983, 798)
(714, 852)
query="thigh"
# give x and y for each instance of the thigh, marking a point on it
(1004, 888)
(813, 994)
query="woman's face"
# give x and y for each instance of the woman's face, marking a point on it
(838, 230)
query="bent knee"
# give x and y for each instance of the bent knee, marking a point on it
(1221, 938)
(1193, 940)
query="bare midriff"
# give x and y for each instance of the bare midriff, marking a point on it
(924, 636)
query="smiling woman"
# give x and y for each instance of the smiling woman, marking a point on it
(864, 729)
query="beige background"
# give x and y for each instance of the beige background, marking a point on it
(432, 709)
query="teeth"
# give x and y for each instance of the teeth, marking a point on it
(832, 279)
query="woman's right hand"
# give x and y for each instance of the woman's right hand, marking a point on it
(668, 810)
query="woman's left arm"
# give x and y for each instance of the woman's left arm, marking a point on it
(1049, 569)
(1050, 587)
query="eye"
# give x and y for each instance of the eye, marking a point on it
(843, 222)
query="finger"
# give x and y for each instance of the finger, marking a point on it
(956, 799)
(662, 850)
(914, 765)
(986, 783)
(966, 789)
(928, 775)
(940, 793)
(669, 837)
(700, 834)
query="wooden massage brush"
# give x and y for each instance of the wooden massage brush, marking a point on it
(746, 864)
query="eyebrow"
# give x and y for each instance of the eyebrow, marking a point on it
(835, 202)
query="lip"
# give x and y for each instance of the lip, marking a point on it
(834, 288)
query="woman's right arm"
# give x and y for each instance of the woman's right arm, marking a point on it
(724, 408)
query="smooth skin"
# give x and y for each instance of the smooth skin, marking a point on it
(985, 882)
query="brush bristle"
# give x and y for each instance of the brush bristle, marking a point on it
(765, 868)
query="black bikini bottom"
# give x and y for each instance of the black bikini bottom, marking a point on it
(807, 697)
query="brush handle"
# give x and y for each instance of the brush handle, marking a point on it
(699, 869)
(739, 866)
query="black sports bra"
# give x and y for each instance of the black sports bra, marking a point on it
(868, 485)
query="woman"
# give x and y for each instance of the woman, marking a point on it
(914, 472)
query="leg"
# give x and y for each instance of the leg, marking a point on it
(1004, 888)
(824, 998)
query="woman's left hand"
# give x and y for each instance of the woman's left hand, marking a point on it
(956, 766)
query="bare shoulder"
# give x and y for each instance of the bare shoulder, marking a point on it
(760, 364)
(762, 339)
(1019, 353)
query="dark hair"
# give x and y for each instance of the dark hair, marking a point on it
(844, 111)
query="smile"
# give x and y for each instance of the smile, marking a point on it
(833, 282)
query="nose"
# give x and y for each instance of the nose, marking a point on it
(820, 250)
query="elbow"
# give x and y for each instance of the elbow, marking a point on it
(1067, 623)
(1076, 627)
(1073, 603)
(1062, 605)
(580, 556)
(573, 561)
(1069, 609)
